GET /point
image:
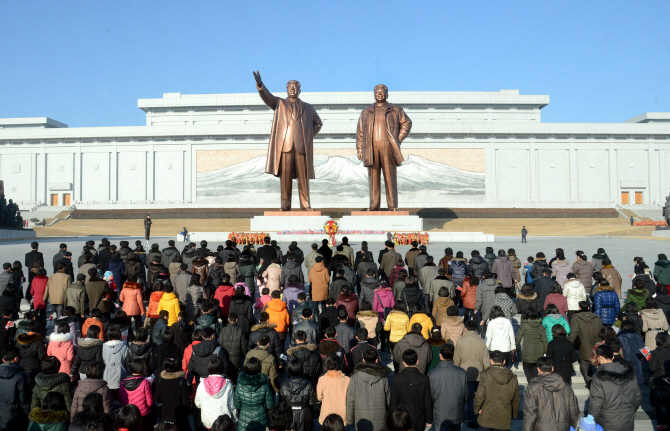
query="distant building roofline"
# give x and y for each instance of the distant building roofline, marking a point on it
(651, 117)
(30, 122)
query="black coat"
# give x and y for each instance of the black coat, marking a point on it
(161, 353)
(140, 351)
(183, 335)
(298, 392)
(337, 262)
(32, 257)
(202, 353)
(648, 283)
(412, 296)
(327, 254)
(310, 359)
(104, 256)
(266, 329)
(88, 352)
(542, 287)
(562, 353)
(265, 253)
(6, 334)
(411, 389)
(328, 318)
(332, 347)
(81, 421)
(14, 397)
(172, 392)
(359, 258)
(234, 340)
(659, 365)
(31, 352)
(243, 306)
(358, 350)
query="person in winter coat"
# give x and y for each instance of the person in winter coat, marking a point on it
(92, 412)
(597, 260)
(458, 268)
(172, 392)
(118, 268)
(331, 389)
(268, 362)
(442, 280)
(165, 350)
(477, 265)
(586, 327)
(38, 289)
(653, 322)
(136, 390)
(485, 296)
(249, 271)
(584, 272)
(243, 307)
(419, 316)
(223, 295)
(631, 343)
(489, 257)
(348, 301)
(662, 271)
(503, 301)
(499, 333)
(449, 390)
(234, 340)
(548, 403)
(539, 266)
(412, 390)
(414, 340)
(452, 326)
(560, 268)
(562, 353)
(607, 305)
(383, 300)
(183, 332)
(516, 264)
(534, 338)
(472, 355)
(52, 416)
(170, 303)
(504, 271)
(51, 380)
(557, 298)
(411, 294)
(441, 304)
(369, 319)
(98, 292)
(272, 275)
(88, 352)
(319, 277)
(140, 349)
(309, 355)
(278, 313)
(497, 397)
(610, 274)
(31, 351)
(15, 392)
(114, 355)
(290, 294)
(297, 392)
(527, 299)
(368, 395)
(253, 397)
(638, 294)
(543, 285)
(552, 318)
(574, 292)
(160, 327)
(214, 396)
(131, 297)
(614, 394)
(61, 346)
(468, 295)
(92, 383)
(430, 273)
(265, 328)
(396, 324)
(230, 267)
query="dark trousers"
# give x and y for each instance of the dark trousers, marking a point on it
(384, 339)
(456, 427)
(586, 370)
(523, 238)
(396, 365)
(530, 370)
(138, 321)
(469, 314)
(490, 429)
(472, 414)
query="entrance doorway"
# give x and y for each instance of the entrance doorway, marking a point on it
(54, 200)
(638, 198)
(66, 199)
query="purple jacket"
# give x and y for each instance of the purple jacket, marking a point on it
(383, 298)
(291, 291)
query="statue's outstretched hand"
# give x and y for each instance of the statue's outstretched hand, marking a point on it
(257, 76)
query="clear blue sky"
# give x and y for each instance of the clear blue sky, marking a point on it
(86, 63)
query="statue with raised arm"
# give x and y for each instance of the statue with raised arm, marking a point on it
(291, 152)
(381, 128)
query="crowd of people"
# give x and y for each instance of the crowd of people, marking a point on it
(254, 338)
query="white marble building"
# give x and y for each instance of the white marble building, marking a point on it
(466, 149)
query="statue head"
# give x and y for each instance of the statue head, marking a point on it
(381, 93)
(293, 89)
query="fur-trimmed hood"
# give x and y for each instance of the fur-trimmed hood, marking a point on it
(89, 342)
(526, 298)
(310, 347)
(604, 288)
(132, 285)
(47, 382)
(263, 326)
(329, 347)
(616, 373)
(437, 343)
(28, 338)
(377, 372)
(367, 313)
(61, 338)
(452, 320)
(171, 376)
(40, 416)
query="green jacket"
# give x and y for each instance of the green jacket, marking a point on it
(662, 272)
(638, 296)
(47, 420)
(498, 397)
(75, 296)
(45, 383)
(534, 338)
(253, 398)
(268, 364)
(585, 326)
(249, 272)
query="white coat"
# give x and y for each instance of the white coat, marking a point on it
(500, 335)
(574, 291)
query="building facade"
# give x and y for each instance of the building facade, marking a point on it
(466, 149)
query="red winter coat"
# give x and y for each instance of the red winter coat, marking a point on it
(223, 295)
(37, 288)
(349, 303)
(136, 390)
(154, 299)
(558, 300)
(469, 294)
(131, 296)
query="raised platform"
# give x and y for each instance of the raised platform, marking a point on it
(11, 234)
(390, 222)
(379, 213)
(434, 237)
(288, 221)
(298, 213)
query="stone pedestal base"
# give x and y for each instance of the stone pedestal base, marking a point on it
(388, 221)
(277, 221)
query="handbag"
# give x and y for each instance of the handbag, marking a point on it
(387, 310)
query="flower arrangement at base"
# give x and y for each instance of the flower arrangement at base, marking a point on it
(331, 227)
(247, 237)
(661, 223)
(400, 238)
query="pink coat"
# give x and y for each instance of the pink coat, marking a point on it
(139, 395)
(62, 347)
(131, 296)
(261, 301)
(558, 300)
(37, 288)
(385, 295)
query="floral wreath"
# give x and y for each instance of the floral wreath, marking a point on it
(331, 227)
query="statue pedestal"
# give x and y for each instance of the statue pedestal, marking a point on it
(277, 221)
(389, 221)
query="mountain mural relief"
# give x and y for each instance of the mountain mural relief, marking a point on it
(342, 182)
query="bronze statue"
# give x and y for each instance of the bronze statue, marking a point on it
(290, 152)
(381, 128)
(666, 210)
